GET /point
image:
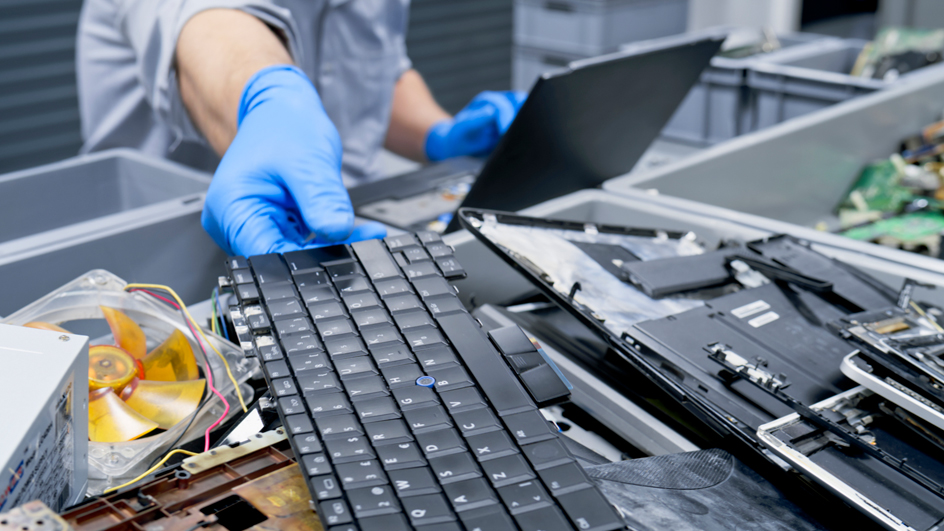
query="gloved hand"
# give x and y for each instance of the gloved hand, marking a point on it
(477, 128)
(280, 179)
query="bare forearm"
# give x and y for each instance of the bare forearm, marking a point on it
(413, 112)
(217, 52)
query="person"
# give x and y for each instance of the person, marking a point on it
(297, 97)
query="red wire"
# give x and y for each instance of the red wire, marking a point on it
(206, 436)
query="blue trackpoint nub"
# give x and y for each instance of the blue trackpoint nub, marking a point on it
(426, 381)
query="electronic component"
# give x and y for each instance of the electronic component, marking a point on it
(44, 392)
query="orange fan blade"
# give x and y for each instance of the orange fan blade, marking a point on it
(111, 420)
(110, 367)
(172, 360)
(42, 325)
(166, 403)
(128, 335)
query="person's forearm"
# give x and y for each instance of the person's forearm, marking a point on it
(217, 52)
(413, 112)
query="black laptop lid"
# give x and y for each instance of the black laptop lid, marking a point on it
(589, 123)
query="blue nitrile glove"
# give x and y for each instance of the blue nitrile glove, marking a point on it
(280, 179)
(476, 129)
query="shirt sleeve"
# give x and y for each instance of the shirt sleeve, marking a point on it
(152, 28)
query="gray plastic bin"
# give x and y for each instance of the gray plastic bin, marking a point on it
(528, 64)
(798, 171)
(592, 27)
(117, 210)
(490, 280)
(806, 79)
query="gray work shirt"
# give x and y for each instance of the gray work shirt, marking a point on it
(353, 51)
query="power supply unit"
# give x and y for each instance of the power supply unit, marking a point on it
(44, 417)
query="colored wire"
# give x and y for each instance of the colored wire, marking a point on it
(150, 470)
(213, 313)
(183, 307)
(219, 309)
(926, 316)
(206, 435)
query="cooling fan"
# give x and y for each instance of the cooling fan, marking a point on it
(147, 387)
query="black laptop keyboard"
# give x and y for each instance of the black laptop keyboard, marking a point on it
(402, 412)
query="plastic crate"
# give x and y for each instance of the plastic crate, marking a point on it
(528, 64)
(718, 107)
(798, 171)
(117, 210)
(806, 79)
(592, 27)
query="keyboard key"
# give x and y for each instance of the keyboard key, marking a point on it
(392, 286)
(373, 501)
(326, 310)
(318, 294)
(376, 409)
(391, 354)
(376, 259)
(507, 470)
(476, 421)
(427, 509)
(349, 449)
(528, 427)
(307, 443)
(414, 396)
(277, 369)
(424, 337)
(427, 419)
(546, 454)
(589, 510)
(395, 243)
(326, 487)
(524, 497)
(349, 368)
(470, 494)
(237, 262)
(462, 400)
(285, 308)
(444, 305)
(450, 267)
(421, 269)
(269, 352)
(407, 320)
(387, 522)
(365, 388)
(269, 268)
(361, 474)
(325, 404)
(436, 357)
(491, 518)
(432, 287)
(308, 361)
(564, 478)
(379, 335)
(491, 445)
(345, 347)
(242, 276)
(257, 320)
(319, 255)
(352, 284)
(302, 342)
(413, 482)
(428, 236)
(247, 293)
(334, 512)
(338, 426)
(363, 299)
(273, 291)
(439, 250)
(316, 464)
(343, 268)
(544, 519)
(415, 254)
(449, 378)
(292, 325)
(335, 328)
(399, 456)
(440, 442)
(298, 424)
(401, 375)
(312, 383)
(283, 387)
(402, 303)
(372, 316)
(388, 432)
(299, 261)
(312, 279)
(291, 405)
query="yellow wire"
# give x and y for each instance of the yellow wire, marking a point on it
(197, 326)
(150, 470)
(213, 316)
(922, 314)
